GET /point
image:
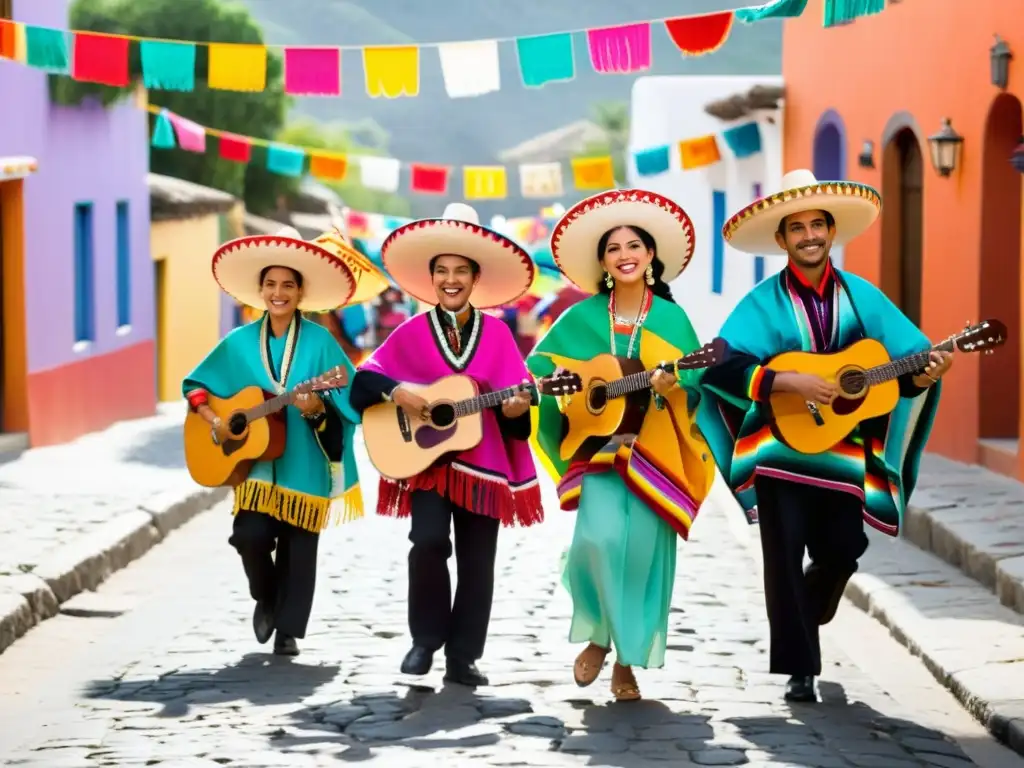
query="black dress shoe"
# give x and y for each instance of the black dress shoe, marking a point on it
(284, 645)
(263, 622)
(801, 688)
(464, 673)
(417, 661)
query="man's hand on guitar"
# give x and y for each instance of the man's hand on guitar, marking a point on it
(309, 405)
(938, 365)
(218, 426)
(811, 388)
(662, 382)
(415, 407)
(516, 405)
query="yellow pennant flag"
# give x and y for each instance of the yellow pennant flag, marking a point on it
(593, 172)
(237, 67)
(392, 72)
(696, 153)
(484, 182)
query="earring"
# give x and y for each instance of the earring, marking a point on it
(608, 280)
(649, 275)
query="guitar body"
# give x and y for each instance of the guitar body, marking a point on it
(591, 413)
(400, 448)
(213, 465)
(795, 426)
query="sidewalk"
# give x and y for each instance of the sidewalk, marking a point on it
(75, 513)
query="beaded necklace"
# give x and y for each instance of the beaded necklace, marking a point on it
(641, 316)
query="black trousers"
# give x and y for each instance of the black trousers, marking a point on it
(288, 581)
(434, 620)
(829, 525)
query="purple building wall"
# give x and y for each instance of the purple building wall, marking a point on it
(85, 154)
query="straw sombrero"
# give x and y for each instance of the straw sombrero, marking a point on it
(576, 235)
(370, 280)
(506, 270)
(328, 281)
(854, 207)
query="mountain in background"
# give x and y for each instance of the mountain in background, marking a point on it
(431, 128)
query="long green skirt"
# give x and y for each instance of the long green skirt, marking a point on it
(620, 570)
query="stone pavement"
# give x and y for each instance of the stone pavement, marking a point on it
(163, 670)
(74, 513)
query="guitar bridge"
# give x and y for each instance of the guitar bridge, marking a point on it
(404, 427)
(819, 420)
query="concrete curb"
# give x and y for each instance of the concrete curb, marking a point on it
(1003, 718)
(88, 562)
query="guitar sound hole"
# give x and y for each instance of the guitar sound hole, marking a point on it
(598, 397)
(237, 424)
(853, 381)
(442, 415)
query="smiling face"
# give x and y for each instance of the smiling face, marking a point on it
(453, 277)
(807, 237)
(625, 256)
(281, 289)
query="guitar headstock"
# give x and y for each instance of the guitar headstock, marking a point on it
(335, 378)
(561, 384)
(982, 337)
(710, 354)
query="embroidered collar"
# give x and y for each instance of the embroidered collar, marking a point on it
(291, 341)
(456, 361)
(823, 285)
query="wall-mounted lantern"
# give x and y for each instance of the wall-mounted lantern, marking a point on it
(946, 146)
(866, 158)
(999, 56)
(1017, 158)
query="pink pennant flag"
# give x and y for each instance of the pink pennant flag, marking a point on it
(191, 136)
(312, 71)
(617, 50)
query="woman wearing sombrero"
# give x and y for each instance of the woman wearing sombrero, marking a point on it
(815, 502)
(460, 267)
(636, 493)
(284, 504)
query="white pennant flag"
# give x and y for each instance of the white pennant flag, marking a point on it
(471, 68)
(541, 180)
(380, 173)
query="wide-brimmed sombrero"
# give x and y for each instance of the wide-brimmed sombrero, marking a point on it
(370, 279)
(506, 270)
(576, 235)
(328, 281)
(854, 207)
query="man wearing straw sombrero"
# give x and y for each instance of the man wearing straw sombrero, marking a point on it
(284, 504)
(460, 267)
(818, 502)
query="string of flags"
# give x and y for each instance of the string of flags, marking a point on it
(479, 182)
(469, 68)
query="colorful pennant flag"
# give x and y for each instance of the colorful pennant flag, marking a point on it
(380, 173)
(541, 180)
(8, 39)
(163, 132)
(743, 140)
(546, 59)
(237, 67)
(651, 162)
(843, 11)
(285, 160)
(484, 182)
(593, 173)
(312, 71)
(470, 69)
(46, 49)
(191, 136)
(328, 166)
(429, 179)
(101, 59)
(697, 153)
(237, 149)
(168, 66)
(392, 72)
(773, 9)
(697, 35)
(618, 50)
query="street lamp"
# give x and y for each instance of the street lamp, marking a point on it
(946, 146)
(999, 58)
(866, 158)
(1017, 158)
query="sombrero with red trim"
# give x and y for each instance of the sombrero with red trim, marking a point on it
(328, 281)
(506, 269)
(576, 235)
(854, 207)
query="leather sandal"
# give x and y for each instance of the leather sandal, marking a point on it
(624, 687)
(588, 665)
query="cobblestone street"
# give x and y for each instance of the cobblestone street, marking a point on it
(159, 667)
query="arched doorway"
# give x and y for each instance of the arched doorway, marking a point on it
(1000, 271)
(830, 157)
(903, 192)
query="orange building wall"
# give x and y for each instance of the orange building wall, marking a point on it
(929, 59)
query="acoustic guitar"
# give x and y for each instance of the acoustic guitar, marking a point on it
(400, 448)
(256, 427)
(617, 394)
(866, 378)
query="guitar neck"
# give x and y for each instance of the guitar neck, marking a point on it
(634, 382)
(267, 407)
(487, 400)
(909, 364)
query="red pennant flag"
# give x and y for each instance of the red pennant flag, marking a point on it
(8, 39)
(429, 179)
(697, 35)
(101, 59)
(235, 148)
